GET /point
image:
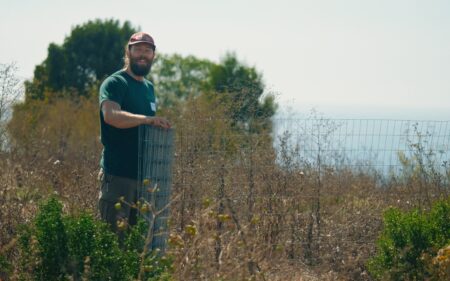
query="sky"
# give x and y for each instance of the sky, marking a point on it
(344, 58)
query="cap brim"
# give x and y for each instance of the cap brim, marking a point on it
(137, 42)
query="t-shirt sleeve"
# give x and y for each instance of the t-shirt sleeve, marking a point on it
(113, 89)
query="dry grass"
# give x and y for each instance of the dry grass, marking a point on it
(242, 214)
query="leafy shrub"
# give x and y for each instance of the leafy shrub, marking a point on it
(5, 266)
(407, 239)
(58, 246)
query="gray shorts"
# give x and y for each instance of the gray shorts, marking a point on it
(111, 189)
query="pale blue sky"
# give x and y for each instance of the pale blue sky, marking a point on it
(380, 58)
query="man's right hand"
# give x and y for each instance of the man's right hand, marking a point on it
(158, 122)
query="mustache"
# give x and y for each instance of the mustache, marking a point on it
(140, 58)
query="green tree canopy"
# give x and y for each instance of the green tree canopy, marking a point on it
(243, 88)
(91, 52)
(176, 78)
(239, 86)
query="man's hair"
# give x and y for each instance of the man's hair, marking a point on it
(126, 57)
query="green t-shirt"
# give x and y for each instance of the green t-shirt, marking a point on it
(120, 146)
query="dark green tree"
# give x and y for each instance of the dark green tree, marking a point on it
(91, 52)
(242, 87)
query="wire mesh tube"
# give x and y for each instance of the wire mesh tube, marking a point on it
(155, 157)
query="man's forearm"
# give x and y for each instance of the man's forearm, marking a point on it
(124, 120)
(116, 117)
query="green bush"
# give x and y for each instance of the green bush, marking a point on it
(89, 238)
(407, 238)
(5, 266)
(57, 247)
(44, 244)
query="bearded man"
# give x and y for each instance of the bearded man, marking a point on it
(127, 100)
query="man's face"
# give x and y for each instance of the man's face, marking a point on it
(141, 58)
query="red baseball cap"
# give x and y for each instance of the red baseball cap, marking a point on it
(141, 37)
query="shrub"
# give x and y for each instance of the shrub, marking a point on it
(44, 244)
(5, 266)
(407, 239)
(57, 246)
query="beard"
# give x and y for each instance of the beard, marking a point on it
(140, 69)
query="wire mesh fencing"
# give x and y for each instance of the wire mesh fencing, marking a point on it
(389, 151)
(379, 145)
(299, 162)
(155, 156)
(301, 189)
(386, 148)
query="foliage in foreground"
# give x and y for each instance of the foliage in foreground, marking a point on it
(414, 245)
(58, 246)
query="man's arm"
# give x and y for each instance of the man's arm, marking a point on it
(116, 117)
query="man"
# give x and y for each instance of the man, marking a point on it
(127, 100)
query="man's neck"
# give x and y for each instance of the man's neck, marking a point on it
(135, 77)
